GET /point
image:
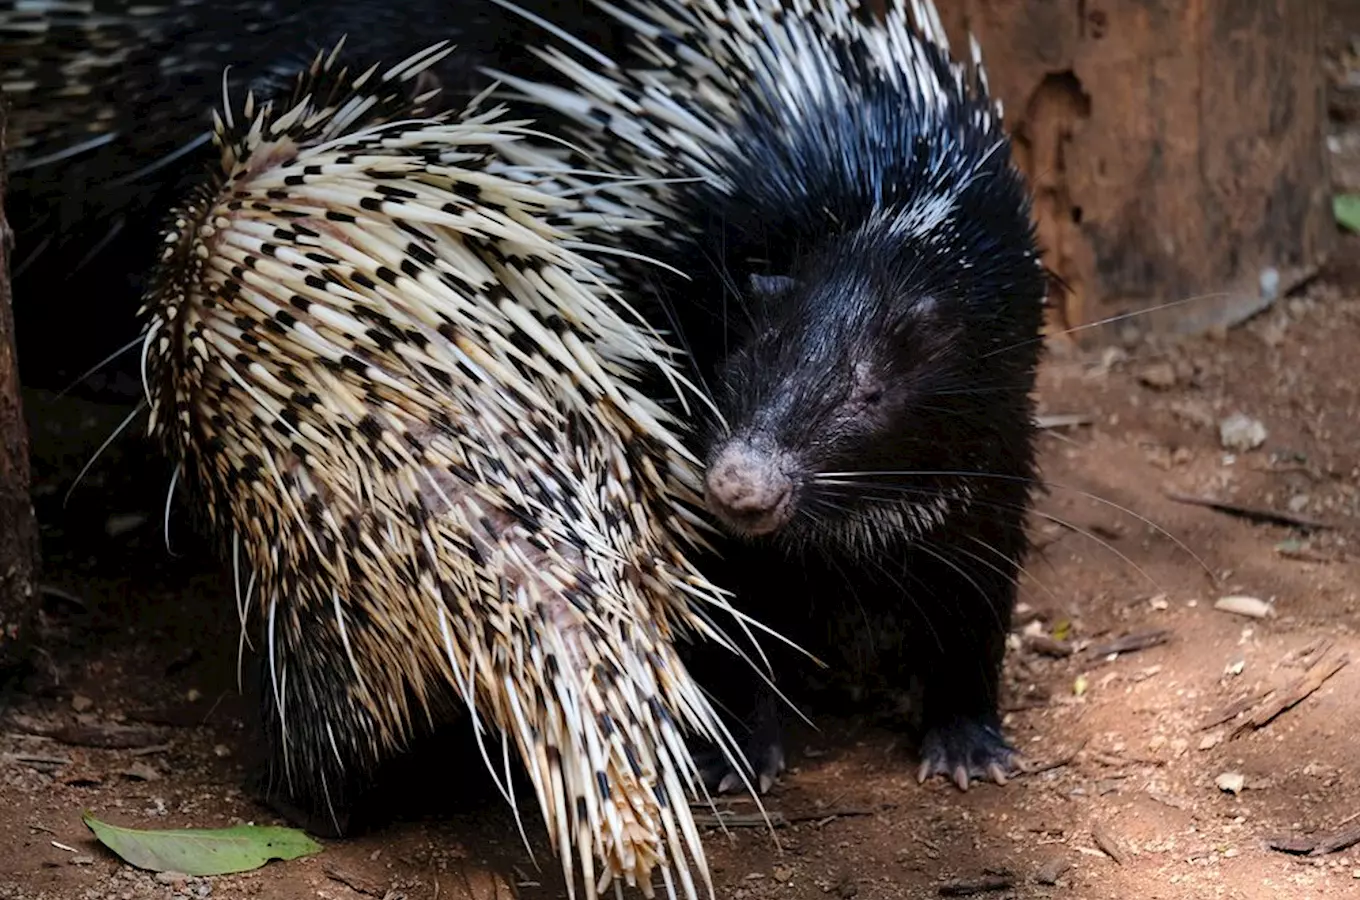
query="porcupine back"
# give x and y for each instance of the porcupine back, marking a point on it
(109, 122)
(387, 357)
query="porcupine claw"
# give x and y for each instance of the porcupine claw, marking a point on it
(763, 749)
(966, 749)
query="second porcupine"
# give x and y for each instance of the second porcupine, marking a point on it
(866, 303)
(386, 353)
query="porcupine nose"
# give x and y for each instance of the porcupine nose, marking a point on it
(748, 489)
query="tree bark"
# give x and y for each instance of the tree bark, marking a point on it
(18, 528)
(1176, 148)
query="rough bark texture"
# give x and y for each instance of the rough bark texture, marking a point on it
(18, 530)
(1176, 147)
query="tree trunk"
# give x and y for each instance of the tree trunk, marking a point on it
(18, 529)
(1175, 147)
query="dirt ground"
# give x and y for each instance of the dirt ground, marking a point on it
(1159, 776)
(139, 651)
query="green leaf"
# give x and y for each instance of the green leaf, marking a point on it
(203, 851)
(1346, 208)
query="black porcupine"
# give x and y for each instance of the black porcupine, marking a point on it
(866, 301)
(383, 346)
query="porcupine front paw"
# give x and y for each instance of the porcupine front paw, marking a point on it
(964, 749)
(764, 755)
(763, 748)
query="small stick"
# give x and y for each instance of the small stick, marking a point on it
(1130, 643)
(1107, 843)
(1058, 763)
(353, 882)
(1233, 710)
(1332, 843)
(1300, 690)
(33, 760)
(781, 820)
(1255, 513)
(984, 885)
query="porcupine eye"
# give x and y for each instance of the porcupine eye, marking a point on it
(868, 389)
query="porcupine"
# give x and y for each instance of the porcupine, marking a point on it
(865, 298)
(387, 355)
(109, 123)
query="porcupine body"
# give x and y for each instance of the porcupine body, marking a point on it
(385, 352)
(109, 120)
(865, 301)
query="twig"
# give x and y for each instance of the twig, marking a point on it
(1300, 690)
(32, 760)
(986, 884)
(1108, 844)
(1318, 846)
(353, 882)
(1254, 513)
(779, 819)
(775, 819)
(1233, 710)
(1131, 643)
(1056, 763)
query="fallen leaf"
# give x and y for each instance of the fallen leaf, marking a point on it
(1346, 208)
(202, 851)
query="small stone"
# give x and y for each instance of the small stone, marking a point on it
(1231, 782)
(1240, 433)
(1159, 376)
(1193, 412)
(82, 860)
(1051, 871)
(1298, 503)
(1252, 607)
(175, 878)
(1210, 741)
(781, 873)
(81, 703)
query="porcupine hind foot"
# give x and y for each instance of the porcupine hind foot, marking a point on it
(965, 749)
(763, 749)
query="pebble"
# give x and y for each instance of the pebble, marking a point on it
(1231, 782)
(1253, 607)
(1239, 433)
(1158, 375)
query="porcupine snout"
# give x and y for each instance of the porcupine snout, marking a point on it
(749, 488)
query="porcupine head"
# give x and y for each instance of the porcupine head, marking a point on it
(886, 329)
